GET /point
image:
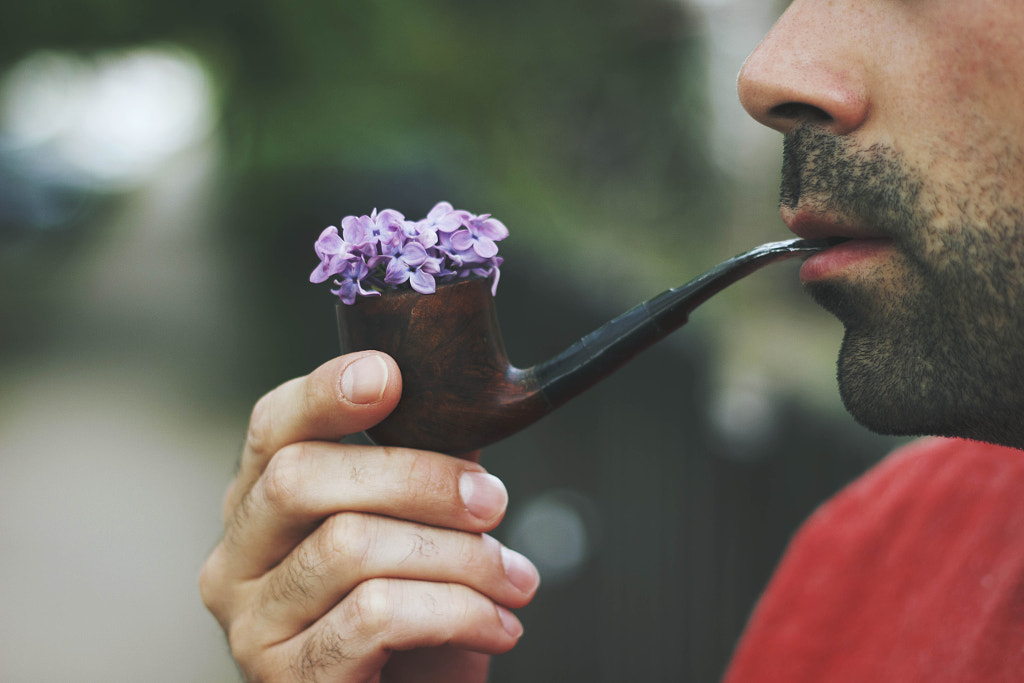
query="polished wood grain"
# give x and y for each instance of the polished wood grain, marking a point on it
(459, 392)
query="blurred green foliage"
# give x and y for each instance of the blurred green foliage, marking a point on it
(581, 124)
(568, 113)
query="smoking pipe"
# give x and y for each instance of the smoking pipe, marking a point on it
(459, 391)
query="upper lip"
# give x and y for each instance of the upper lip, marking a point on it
(815, 225)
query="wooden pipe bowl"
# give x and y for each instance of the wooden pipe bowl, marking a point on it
(459, 391)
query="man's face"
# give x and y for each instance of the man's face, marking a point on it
(904, 123)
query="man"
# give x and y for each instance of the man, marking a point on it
(903, 132)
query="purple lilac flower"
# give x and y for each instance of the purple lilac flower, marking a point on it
(351, 283)
(385, 251)
(334, 254)
(442, 218)
(423, 235)
(382, 228)
(420, 276)
(406, 263)
(481, 234)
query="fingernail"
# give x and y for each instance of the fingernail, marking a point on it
(364, 380)
(483, 494)
(509, 622)
(520, 571)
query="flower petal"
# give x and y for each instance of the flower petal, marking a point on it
(468, 256)
(462, 240)
(427, 237)
(330, 266)
(494, 287)
(414, 254)
(485, 247)
(346, 291)
(440, 210)
(448, 223)
(357, 230)
(329, 242)
(319, 273)
(493, 228)
(423, 282)
(397, 272)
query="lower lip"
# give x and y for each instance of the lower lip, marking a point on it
(844, 258)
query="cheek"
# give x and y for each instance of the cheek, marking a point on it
(956, 70)
(962, 122)
(978, 67)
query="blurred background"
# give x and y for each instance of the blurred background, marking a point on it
(165, 168)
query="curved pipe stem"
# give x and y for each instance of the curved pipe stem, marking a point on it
(606, 349)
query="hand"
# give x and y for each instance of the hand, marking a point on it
(359, 563)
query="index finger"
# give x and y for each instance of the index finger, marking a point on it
(341, 397)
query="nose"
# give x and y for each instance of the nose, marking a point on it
(808, 69)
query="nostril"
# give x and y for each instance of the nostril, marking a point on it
(800, 112)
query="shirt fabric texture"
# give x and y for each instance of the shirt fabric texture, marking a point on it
(912, 573)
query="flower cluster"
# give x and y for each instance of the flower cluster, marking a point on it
(385, 251)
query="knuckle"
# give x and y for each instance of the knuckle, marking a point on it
(211, 587)
(371, 606)
(346, 538)
(284, 479)
(261, 428)
(245, 646)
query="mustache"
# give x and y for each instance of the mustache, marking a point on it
(827, 173)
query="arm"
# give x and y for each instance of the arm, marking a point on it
(334, 556)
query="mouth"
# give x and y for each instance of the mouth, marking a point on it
(855, 249)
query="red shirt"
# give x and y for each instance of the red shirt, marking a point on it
(913, 573)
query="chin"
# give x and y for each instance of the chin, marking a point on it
(930, 360)
(895, 390)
